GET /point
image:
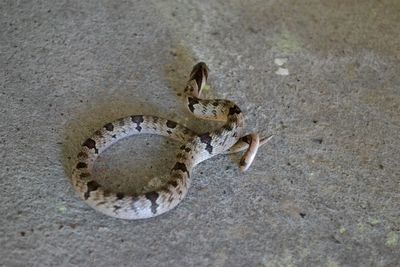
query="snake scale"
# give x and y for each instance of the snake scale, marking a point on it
(195, 149)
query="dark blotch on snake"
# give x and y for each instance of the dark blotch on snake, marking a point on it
(84, 175)
(109, 127)
(153, 196)
(120, 195)
(192, 102)
(234, 110)
(91, 186)
(228, 127)
(90, 143)
(82, 155)
(181, 156)
(114, 136)
(171, 124)
(182, 167)
(169, 132)
(188, 88)
(206, 139)
(173, 183)
(138, 119)
(81, 165)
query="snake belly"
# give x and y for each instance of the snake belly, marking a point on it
(195, 148)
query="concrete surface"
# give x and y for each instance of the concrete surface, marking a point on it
(322, 76)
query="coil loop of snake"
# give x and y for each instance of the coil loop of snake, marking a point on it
(195, 149)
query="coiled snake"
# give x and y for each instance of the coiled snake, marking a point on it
(195, 149)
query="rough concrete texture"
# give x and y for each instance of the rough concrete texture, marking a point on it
(324, 192)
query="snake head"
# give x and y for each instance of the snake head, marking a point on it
(198, 78)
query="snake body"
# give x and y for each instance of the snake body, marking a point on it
(195, 149)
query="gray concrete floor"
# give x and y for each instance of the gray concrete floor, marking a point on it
(324, 192)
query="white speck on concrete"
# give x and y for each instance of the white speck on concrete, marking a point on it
(282, 71)
(280, 61)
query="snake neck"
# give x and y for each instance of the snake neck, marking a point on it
(209, 144)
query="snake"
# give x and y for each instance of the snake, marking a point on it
(195, 148)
